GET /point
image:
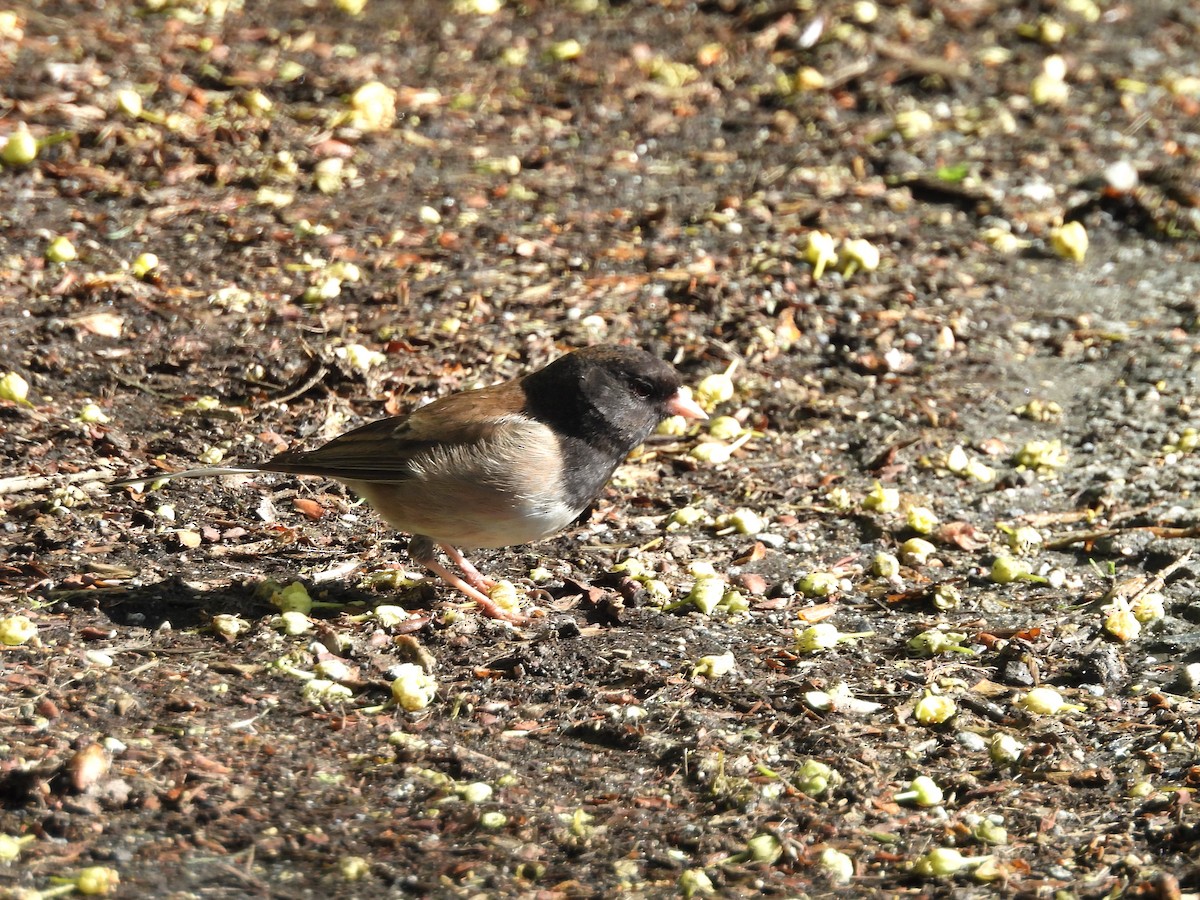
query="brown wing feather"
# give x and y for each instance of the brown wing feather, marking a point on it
(385, 450)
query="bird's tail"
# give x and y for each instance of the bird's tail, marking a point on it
(187, 473)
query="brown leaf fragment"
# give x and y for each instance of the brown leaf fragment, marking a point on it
(188, 540)
(310, 509)
(101, 324)
(199, 762)
(818, 613)
(886, 458)
(963, 535)
(594, 594)
(754, 583)
(912, 595)
(987, 688)
(93, 633)
(751, 554)
(1096, 777)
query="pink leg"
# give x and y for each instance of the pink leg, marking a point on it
(421, 551)
(482, 600)
(474, 576)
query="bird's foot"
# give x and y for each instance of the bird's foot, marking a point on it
(475, 586)
(486, 604)
(474, 577)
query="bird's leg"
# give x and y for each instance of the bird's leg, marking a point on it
(474, 576)
(421, 551)
(486, 604)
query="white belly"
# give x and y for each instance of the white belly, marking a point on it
(478, 517)
(474, 495)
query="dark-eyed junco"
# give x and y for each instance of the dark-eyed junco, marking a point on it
(507, 464)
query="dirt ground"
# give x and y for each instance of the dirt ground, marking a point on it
(558, 174)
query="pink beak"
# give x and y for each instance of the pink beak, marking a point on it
(682, 405)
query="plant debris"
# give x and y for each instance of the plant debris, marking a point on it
(913, 615)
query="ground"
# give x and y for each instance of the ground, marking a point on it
(558, 174)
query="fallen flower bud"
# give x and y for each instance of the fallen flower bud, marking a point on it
(293, 598)
(1120, 622)
(129, 103)
(934, 641)
(885, 565)
(715, 452)
(10, 847)
(836, 864)
(815, 777)
(1006, 570)
(1004, 749)
(714, 666)
(947, 596)
(1023, 539)
(934, 709)
(715, 389)
(921, 520)
(143, 265)
(881, 499)
(14, 388)
(764, 848)
(17, 630)
(505, 595)
(820, 252)
(97, 881)
(818, 584)
(1041, 455)
(413, 688)
(61, 250)
(21, 148)
(912, 123)
(91, 414)
(373, 107)
(916, 551)
(293, 622)
(1046, 701)
(944, 861)
(693, 882)
(322, 691)
(229, 626)
(859, 254)
(1148, 607)
(823, 636)
(1070, 241)
(725, 428)
(923, 791)
(743, 521)
(389, 616)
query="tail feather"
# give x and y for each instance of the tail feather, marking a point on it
(187, 473)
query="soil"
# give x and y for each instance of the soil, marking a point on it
(559, 174)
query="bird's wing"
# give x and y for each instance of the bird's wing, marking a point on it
(386, 450)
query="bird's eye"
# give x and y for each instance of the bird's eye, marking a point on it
(642, 388)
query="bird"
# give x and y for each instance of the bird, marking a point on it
(497, 466)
